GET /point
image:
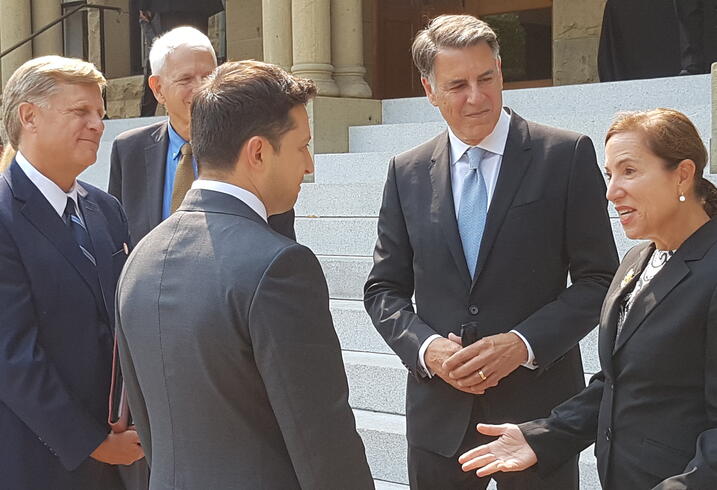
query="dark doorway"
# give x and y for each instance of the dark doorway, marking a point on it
(524, 28)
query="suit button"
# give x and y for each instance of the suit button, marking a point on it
(608, 434)
(473, 310)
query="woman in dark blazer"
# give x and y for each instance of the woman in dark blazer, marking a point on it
(652, 409)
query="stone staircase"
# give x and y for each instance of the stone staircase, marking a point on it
(337, 216)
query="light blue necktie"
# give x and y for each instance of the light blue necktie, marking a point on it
(473, 208)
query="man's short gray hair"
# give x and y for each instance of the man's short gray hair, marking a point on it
(35, 82)
(168, 42)
(450, 31)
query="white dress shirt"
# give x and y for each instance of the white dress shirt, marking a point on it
(490, 168)
(243, 195)
(52, 192)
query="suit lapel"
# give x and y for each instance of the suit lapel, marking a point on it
(611, 309)
(516, 159)
(442, 204)
(102, 243)
(155, 160)
(43, 217)
(652, 293)
(667, 279)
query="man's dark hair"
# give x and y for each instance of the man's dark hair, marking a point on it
(242, 99)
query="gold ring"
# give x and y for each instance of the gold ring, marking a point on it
(480, 373)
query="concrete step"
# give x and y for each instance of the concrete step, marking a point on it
(356, 236)
(384, 438)
(363, 369)
(681, 93)
(339, 236)
(351, 168)
(354, 328)
(385, 485)
(329, 200)
(345, 275)
(388, 396)
(392, 138)
(397, 138)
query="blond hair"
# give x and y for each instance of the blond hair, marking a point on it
(450, 31)
(7, 156)
(36, 81)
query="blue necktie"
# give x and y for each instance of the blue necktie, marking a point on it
(473, 208)
(79, 230)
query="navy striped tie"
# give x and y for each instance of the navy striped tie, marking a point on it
(79, 230)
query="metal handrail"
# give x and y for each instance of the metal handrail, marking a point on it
(57, 21)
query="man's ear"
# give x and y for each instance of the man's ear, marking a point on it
(27, 113)
(256, 152)
(428, 88)
(155, 83)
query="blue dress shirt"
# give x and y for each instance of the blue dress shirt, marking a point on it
(173, 154)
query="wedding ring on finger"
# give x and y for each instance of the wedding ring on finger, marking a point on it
(483, 376)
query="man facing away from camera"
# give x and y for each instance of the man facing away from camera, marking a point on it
(234, 371)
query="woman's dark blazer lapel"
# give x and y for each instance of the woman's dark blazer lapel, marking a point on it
(624, 280)
(674, 272)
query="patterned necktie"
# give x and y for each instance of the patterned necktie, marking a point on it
(184, 177)
(79, 230)
(473, 208)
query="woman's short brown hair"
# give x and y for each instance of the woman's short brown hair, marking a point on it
(671, 136)
(242, 99)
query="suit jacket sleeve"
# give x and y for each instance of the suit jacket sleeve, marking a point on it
(701, 471)
(570, 428)
(283, 223)
(298, 356)
(30, 384)
(389, 288)
(558, 326)
(138, 407)
(115, 184)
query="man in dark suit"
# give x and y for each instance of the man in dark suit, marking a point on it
(153, 167)
(62, 246)
(691, 16)
(483, 224)
(233, 368)
(159, 16)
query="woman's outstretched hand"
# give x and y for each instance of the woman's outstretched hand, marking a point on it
(510, 452)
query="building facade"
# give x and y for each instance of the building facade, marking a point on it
(351, 48)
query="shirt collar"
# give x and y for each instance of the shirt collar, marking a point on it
(243, 195)
(52, 192)
(175, 142)
(495, 142)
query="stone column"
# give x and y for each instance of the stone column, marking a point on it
(311, 43)
(50, 41)
(15, 18)
(576, 35)
(347, 48)
(276, 29)
(243, 29)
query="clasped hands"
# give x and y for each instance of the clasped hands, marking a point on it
(476, 367)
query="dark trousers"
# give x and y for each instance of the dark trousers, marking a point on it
(690, 21)
(431, 471)
(161, 23)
